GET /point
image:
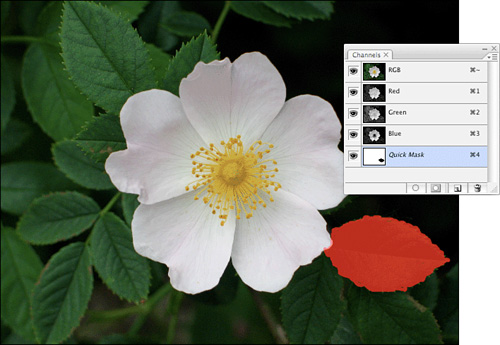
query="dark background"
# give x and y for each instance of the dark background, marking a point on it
(309, 56)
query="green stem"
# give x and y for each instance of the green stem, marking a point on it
(137, 325)
(158, 295)
(98, 315)
(103, 212)
(274, 327)
(220, 21)
(110, 204)
(25, 39)
(142, 309)
(141, 318)
(173, 310)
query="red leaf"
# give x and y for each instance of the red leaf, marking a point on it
(383, 254)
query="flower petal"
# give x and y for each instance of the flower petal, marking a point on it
(154, 175)
(160, 141)
(271, 245)
(183, 234)
(305, 135)
(223, 100)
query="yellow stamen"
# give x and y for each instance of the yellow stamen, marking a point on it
(230, 178)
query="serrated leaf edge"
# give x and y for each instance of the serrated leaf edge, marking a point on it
(44, 196)
(130, 278)
(85, 248)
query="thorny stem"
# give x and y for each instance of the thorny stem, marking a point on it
(220, 21)
(275, 328)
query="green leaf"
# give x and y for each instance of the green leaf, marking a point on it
(312, 303)
(57, 217)
(8, 97)
(15, 135)
(129, 204)
(186, 24)
(128, 9)
(22, 182)
(198, 49)
(73, 162)
(15, 339)
(426, 293)
(29, 12)
(54, 102)
(160, 61)
(62, 294)
(124, 271)
(5, 11)
(104, 55)
(345, 333)
(102, 136)
(149, 25)
(302, 9)
(49, 22)
(21, 267)
(391, 318)
(447, 307)
(258, 11)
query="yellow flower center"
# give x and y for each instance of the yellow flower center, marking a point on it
(231, 178)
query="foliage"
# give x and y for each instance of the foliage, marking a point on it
(69, 270)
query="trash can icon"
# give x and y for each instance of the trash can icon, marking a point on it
(477, 188)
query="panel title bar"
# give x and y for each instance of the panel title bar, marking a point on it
(361, 54)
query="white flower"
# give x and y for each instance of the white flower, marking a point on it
(229, 170)
(374, 92)
(374, 114)
(374, 71)
(374, 135)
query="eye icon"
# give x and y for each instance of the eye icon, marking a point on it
(353, 134)
(353, 70)
(353, 113)
(353, 155)
(353, 92)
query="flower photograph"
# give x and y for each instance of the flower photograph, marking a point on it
(374, 114)
(173, 172)
(374, 92)
(374, 135)
(373, 71)
(234, 195)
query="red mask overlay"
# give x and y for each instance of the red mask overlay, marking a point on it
(383, 254)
